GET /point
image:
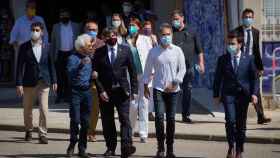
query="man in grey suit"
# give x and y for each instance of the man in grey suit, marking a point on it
(63, 35)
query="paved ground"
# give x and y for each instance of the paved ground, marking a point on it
(205, 127)
(12, 145)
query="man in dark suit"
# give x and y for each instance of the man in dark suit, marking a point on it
(112, 62)
(35, 75)
(235, 85)
(251, 47)
(63, 36)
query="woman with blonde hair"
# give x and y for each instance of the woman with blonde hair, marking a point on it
(118, 24)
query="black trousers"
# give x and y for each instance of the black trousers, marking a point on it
(63, 87)
(259, 107)
(121, 101)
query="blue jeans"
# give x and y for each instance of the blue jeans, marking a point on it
(80, 108)
(236, 108)
(165, 102)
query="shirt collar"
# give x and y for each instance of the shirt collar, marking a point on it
(110, 47)
(67, 25)
(238, 55)
(39, 43)
(247, 28)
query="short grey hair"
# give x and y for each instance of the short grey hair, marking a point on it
(164, 26)
(80, 42)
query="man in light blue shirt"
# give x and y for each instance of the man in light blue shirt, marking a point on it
(21, 30)
(168, 63)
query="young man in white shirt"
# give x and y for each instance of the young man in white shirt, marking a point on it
(168, 63)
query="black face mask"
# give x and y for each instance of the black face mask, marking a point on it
(65, 20)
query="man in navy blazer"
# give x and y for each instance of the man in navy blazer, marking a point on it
(235, 85)
(35, 74)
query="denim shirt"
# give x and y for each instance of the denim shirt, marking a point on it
(79, 73)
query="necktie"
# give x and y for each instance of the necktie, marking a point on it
(247, 45)
(235, 64)
(112, 55)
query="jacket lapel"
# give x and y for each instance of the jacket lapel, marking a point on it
(32, 52)
(44, 52)
(230, 63)
(118, 54)
(241, 62)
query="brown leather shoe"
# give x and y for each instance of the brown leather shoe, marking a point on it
(230, 153)
(264, 120)
(238, 155)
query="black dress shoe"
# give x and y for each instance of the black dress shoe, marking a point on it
(109, 153)
(170, 155)
(43, 140)
(83, 154)
(151, 116)
(70, 150)
(28, 136)
(128, 151)
(264, 120)
(160, 154)
(187, 120)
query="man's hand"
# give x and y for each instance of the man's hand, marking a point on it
(19, 90)
(260, 72)
(54, 87)
(94, 75)
(146, 91)
(133, 96)
(171, 87)
(104, 96)
(217, 100)
(86, 60)
(254, 99)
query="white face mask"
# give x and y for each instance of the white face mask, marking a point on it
(35, 35)
(116, 23)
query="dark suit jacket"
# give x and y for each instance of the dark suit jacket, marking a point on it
(28, 69)
(243, 82)
(118, 71)
(256, 46)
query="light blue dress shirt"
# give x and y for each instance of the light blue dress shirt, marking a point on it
(21, 31)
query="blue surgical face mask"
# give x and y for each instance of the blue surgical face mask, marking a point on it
(93, 34)
(248, 21)
(166, 39)
(176, 24)
(133, 30)
(232, 49)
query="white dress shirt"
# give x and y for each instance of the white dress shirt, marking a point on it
(237, 56)
(110, 51)
(21, 31)
(251, 39)
(168, 65)
(66, 37)
(37, 50)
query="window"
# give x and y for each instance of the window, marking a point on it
(271, 20)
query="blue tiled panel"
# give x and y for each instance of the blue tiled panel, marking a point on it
(206, 17)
